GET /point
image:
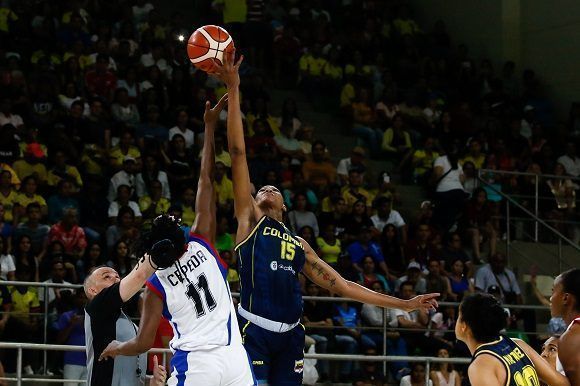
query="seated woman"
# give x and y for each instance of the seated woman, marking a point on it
(458, 281)
(478, 223)
(368, 276)
(301, 216)
(397, 143)
(364, 120)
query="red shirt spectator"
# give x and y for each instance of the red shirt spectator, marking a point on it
(69, 234)
(101, 81)
(163, 336)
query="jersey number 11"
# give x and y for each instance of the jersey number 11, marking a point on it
(193, 292)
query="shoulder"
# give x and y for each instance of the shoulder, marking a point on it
(484, 366)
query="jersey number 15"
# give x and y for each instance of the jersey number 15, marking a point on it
(287, 251)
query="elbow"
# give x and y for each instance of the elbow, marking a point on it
(237, 151)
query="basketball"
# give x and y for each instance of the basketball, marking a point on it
(208, 44)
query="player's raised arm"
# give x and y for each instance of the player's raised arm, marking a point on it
(243, 201)
(152, 309)
(205, 206)
(325, 276)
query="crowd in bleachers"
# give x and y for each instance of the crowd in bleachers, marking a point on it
(101, 126)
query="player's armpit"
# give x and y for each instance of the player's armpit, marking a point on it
(486, 371)
(545, 372)
(568, 355)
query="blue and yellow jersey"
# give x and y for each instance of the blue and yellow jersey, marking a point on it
(519, 367)
(270, 259)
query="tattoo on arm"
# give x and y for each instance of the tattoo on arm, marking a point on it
(321, 272)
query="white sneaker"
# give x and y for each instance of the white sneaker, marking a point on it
(28, 370)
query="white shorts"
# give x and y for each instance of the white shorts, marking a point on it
(216, 366)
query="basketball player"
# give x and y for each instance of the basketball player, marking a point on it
(270, 258)
(565, 303)
(499, 360)
(194, 295)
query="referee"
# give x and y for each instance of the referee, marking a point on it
(105, 322)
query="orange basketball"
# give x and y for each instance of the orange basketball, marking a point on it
(207, 46)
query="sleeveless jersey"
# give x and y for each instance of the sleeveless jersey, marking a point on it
(520, 369)
(196, 298)
(559, 366)
(269, 261)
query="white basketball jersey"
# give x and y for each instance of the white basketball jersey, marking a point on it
(196, 298)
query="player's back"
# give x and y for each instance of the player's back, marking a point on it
(519, 367)
(196, 298)
(269, 261)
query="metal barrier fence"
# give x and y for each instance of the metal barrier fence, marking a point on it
(384, 329)
(20, 347)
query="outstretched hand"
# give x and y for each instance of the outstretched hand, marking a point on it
(110, 351)
(159, 373)
(211, 115)
(425, 302)
(228, 72)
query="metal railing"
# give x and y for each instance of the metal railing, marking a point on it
(20, 347)
(484, 173)
(510, 202)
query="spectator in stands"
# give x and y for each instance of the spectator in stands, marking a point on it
(300, 215)
(470, 182)
(396, 141)
(93, 258)
(178, 162)
(123, 110)
(23, 325)
(152, 130)
(153, 204)
(364, 120)
(56, 297)
(348, 338)
(71, 331)
(387, 215)
(181, 127)
(318, 319)
(370, 372)
(421, 249)
(445, 373)
(24, 257)
(475, 155)
(392, 249)
(329, 244)
(436, 282)
(28, 195)
(101, 82)
(287, 144)
(122, 199)
(447, 181)
(7, 116)
(318, 171)
(70, 234)
(357, 220)
(413, 277)
(299, 185)
(369, 275)
(125, 149)
(224, 188)
(7, 267)
(364, 246)
(338, 217)
(478, 224)
(570, 161)
(125, 227)
(188, 206)
(496, 274)
(8, 197)
(354, 190)
(6, 230)
(423, 160)
(120, 258)
(61, 170)
(411, 320)
(224, 240)
(356, 160)
(151, 172)
(126, 177)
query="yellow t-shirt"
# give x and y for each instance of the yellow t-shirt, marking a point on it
(350, 198)
(188, 216)
(24, 169)
(235, 11)
(224, 190)
(333, 71)
(22, 303)
(117, 155)
(273, 122)
(162, 205)
(351, 69)
(71, 171)
(328, 253)
(23, 200)
(326, 205)
(425, 162)
(6, 15)
(233, 276)
(478, 162)
(8, 202)
(14, 179)
(311, 65)
(347, 95)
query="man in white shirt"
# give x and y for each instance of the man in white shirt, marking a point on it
(569, 160)
(496, 274)
(54, 295)
(124, 177)
(356, 159)
(386, 215)
(6, 116)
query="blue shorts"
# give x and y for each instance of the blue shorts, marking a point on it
(277, 358)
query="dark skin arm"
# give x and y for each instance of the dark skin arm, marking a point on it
(152, 309)
(326, 277)
(205, 206)
(245, 209)
(545, 372)
(568, 354)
